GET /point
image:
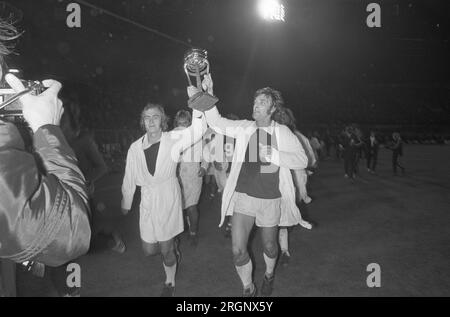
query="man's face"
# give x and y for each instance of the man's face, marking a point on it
(262, 108)
(183, 123)
(152, 119)
(284, 118)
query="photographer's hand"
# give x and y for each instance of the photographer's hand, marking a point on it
(40, 110)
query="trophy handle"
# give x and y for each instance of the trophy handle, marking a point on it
(187, 75)
(199, 78)
(207, 67)
(197, 75)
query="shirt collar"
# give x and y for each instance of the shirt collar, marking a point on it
(270, 129)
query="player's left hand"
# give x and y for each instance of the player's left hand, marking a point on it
(192, 91)
(207, 84)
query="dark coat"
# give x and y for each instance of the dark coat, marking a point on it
(372, 149)
(44, 211)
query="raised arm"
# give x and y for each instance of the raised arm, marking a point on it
(185, 138)
(219, 124)
(224, 126)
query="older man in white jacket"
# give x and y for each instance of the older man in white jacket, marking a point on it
(260, 188)
(151, 163)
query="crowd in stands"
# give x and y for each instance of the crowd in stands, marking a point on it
(420, 115)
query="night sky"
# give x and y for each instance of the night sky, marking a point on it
(323, 46)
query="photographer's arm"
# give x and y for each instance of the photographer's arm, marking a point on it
(46, 217)
(59, 159)
(64, 188)
(46, 209)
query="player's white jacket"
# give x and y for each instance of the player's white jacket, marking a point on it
(161, 216)
(289, 154)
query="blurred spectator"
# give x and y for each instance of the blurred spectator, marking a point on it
(397, 152)
(372, 147)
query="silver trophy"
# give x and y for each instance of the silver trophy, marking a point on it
(196, 65)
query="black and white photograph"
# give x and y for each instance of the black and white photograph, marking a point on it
(224, 149)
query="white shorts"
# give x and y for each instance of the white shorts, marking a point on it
(267, 212)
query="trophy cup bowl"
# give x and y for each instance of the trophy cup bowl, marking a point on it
(196, 65)
(196, 62)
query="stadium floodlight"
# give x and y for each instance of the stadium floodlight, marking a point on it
(272, 10)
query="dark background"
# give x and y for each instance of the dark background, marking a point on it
(328, 64)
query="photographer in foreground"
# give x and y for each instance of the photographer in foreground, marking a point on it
(44, 213)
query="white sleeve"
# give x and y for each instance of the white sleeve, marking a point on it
(128, 183)
(290, 153)
(187, 137)
(221, 125)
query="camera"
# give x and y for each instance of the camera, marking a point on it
(10, 104)
(11, 108)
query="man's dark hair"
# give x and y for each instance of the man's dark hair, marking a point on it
(8, 32)
(275, 95)
(285, 116)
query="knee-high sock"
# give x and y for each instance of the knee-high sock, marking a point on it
(270, 265)
(170, 273)
(245, 273)
(283, 239)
